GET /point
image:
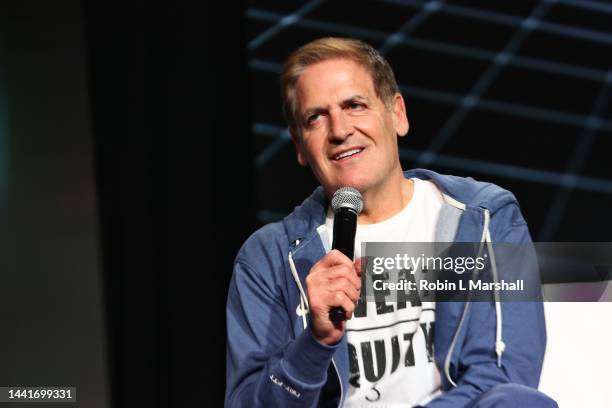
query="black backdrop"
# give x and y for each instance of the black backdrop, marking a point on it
(175, 182)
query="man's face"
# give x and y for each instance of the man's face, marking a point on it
(344, 131)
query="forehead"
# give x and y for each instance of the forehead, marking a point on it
(332, 81)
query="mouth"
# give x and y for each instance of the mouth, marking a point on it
(347, 154)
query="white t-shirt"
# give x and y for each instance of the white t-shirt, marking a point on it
(391, 347)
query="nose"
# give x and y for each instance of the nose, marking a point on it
(340, 126)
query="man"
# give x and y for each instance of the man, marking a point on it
(345, 113)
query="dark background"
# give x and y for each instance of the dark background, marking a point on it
(141, 143)
(516, 93)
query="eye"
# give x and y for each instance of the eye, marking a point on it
(312, 118)
(355, 105)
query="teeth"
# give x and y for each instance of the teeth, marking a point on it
(347, 154)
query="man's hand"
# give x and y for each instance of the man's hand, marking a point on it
(332, 282)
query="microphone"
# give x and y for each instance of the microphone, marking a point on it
(347, 204)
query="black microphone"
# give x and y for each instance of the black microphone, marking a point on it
(347, 203)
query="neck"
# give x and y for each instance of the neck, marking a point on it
(387, 200)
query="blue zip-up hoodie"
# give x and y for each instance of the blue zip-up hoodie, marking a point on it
(273, 360)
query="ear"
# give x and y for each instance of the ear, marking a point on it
(299, 147)
(399, 115)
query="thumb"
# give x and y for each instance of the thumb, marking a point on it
(360, 265)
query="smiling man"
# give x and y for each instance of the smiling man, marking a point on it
(345, 113)
(348, 135)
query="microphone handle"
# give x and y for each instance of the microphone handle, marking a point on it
(345, 227)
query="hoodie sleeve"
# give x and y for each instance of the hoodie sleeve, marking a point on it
(476, 370)
(266, 366)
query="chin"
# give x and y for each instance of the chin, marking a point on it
(357, 182)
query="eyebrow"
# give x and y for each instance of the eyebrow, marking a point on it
(346, 101)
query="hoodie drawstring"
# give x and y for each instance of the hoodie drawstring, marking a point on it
(303, 308)
(500, 346)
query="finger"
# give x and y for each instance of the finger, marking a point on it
(343, 271)
(333, 272)
(335, 257)
(360, 265)
(340, 299)
(330, 260)
(346, 286)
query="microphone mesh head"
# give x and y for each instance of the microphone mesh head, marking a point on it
(347, 197)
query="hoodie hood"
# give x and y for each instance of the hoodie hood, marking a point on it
(464, 191)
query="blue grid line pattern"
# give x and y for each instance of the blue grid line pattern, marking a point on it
(281, 24)
(437, 46)
(508, 20)
(561, 198)
(372, 35)
(483, 83)
(465, 11)
(282, 138)
(414, 22)
(506, 88)
(590, 5)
